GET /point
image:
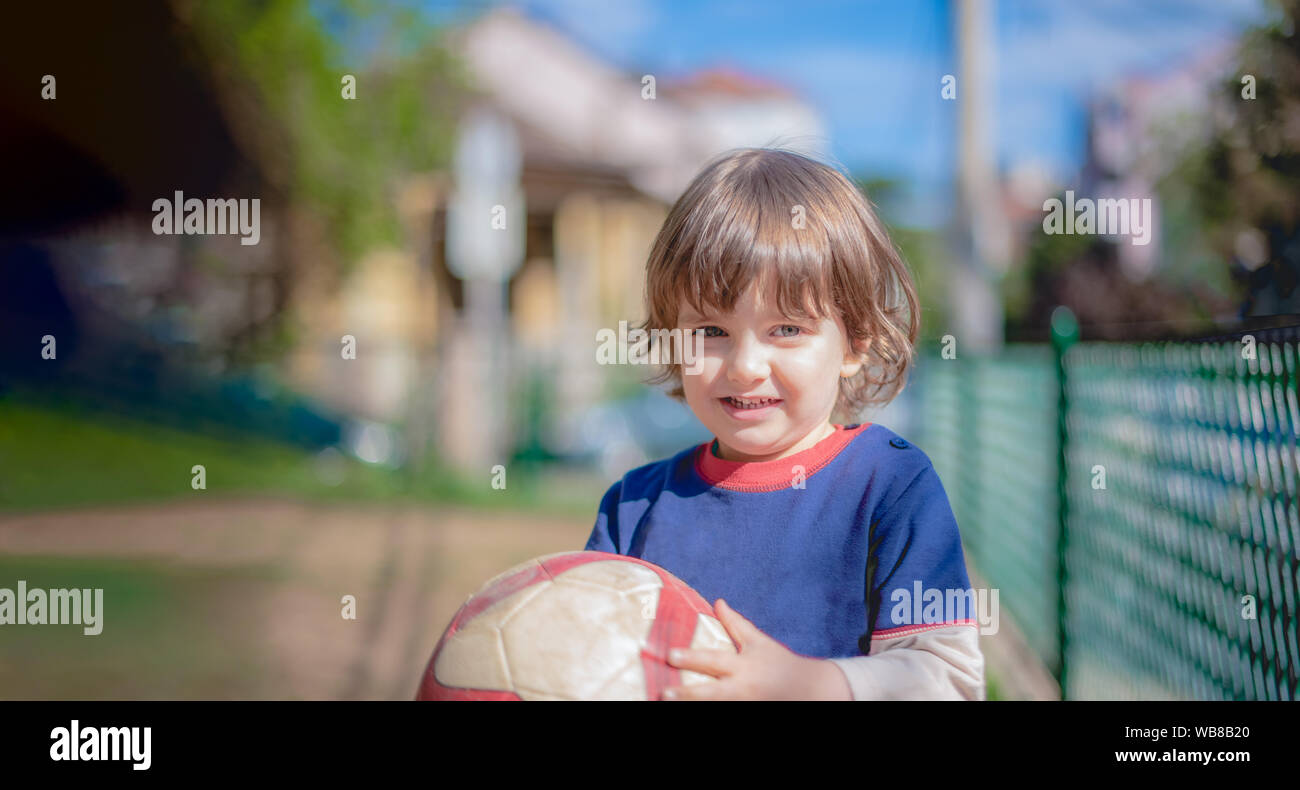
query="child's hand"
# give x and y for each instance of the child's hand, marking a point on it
(763, 669)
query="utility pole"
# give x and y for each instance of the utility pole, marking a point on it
(981, 238)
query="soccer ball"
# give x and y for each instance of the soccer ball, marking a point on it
(582, 625)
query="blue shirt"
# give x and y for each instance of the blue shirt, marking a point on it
(819, 550)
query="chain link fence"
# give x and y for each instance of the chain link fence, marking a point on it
(1136, 506)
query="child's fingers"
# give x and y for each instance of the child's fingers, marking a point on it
(709, 662)
(741, 631)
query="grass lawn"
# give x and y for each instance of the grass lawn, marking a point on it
(53, 457)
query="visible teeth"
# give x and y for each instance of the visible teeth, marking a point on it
(750, 404)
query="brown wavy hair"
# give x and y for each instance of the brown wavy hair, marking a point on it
(735, 224)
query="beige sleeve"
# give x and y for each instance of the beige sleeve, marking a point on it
(935, 663)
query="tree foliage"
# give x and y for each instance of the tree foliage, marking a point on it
(340, 157)
(1245, 183)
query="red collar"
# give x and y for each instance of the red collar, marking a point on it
(771, 475)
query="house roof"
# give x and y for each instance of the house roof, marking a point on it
(574, 110)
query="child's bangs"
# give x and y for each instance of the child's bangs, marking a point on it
(757, 244)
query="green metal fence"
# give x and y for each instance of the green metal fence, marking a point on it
(1135, 505)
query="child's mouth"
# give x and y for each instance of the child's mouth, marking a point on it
(749, 408)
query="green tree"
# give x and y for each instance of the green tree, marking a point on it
(1246, 180)
(285, 61)
(921, 248)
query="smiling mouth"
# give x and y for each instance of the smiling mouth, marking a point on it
(750, 403)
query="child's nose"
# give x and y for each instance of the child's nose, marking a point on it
(748, 361)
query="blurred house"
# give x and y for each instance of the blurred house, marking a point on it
(1138, 129)
(1141, 128)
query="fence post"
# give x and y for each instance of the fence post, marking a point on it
(968, 453)
(1065, 333)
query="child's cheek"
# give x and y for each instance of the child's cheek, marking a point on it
(696, 385)
(809, 369)
(702, 374)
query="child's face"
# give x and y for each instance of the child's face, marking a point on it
(756, 353)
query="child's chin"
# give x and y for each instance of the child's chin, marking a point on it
(752, 439)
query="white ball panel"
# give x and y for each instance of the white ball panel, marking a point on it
(603, 629)
(460, 664)
(474, 657)
(623, 577)
(628, 684)
(710, 635)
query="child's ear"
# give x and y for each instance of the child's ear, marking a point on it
(854, 360)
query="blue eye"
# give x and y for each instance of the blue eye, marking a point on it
(796, 329)
(706, 329)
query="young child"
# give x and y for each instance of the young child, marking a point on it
(820, 533)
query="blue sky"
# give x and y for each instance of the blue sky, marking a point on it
(873, 68)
